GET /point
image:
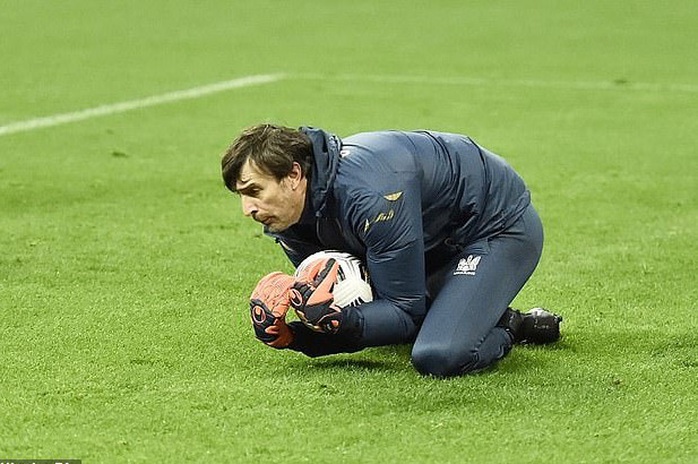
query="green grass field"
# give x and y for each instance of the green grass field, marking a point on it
(125, 266)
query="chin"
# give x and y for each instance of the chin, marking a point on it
(275, 228)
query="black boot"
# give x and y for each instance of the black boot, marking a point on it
(536, 326)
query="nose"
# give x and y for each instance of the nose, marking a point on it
(249, 206)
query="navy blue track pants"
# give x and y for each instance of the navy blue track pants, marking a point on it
(470, 294)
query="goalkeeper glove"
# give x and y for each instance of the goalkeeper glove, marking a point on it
(269, 304)
(312, 299)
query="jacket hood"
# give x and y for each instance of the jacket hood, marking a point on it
(326, 147)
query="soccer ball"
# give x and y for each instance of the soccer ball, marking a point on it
(353, 285)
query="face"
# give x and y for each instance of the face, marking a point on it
(278, 204)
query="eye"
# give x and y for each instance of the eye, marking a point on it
(249, 192)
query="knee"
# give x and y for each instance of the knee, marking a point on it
(440, 361)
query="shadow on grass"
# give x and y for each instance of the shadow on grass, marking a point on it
(351, 364)
(397, 359)
(381, 359)
(563, 344)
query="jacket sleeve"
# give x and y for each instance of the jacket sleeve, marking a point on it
(390, 224)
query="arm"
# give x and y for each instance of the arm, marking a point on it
(392, 230)
(395, 259)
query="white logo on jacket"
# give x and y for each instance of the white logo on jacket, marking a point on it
(467, 266)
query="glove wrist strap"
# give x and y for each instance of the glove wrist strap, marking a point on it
(352, 323)
(346, 340)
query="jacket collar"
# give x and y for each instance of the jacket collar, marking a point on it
(326, 147)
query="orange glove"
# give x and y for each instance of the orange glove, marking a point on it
(312, 299)
(269, 304)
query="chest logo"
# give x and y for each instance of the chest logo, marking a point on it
(382, 217)
(393, 196)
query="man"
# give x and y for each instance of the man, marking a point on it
(446, 228)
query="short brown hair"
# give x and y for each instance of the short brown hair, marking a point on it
(272, 148)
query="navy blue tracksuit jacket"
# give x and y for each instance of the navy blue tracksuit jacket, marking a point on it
(403, 202)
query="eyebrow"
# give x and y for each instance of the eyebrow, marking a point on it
(250, 185)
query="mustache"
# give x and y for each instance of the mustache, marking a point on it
(261, 219)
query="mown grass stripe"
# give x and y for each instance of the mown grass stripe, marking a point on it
(617, 84)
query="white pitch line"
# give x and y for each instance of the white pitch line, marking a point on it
(122, 107)
(481, 81)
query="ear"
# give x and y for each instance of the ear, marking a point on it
(295, 176)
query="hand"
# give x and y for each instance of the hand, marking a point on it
(312, 299)
(269, 304)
